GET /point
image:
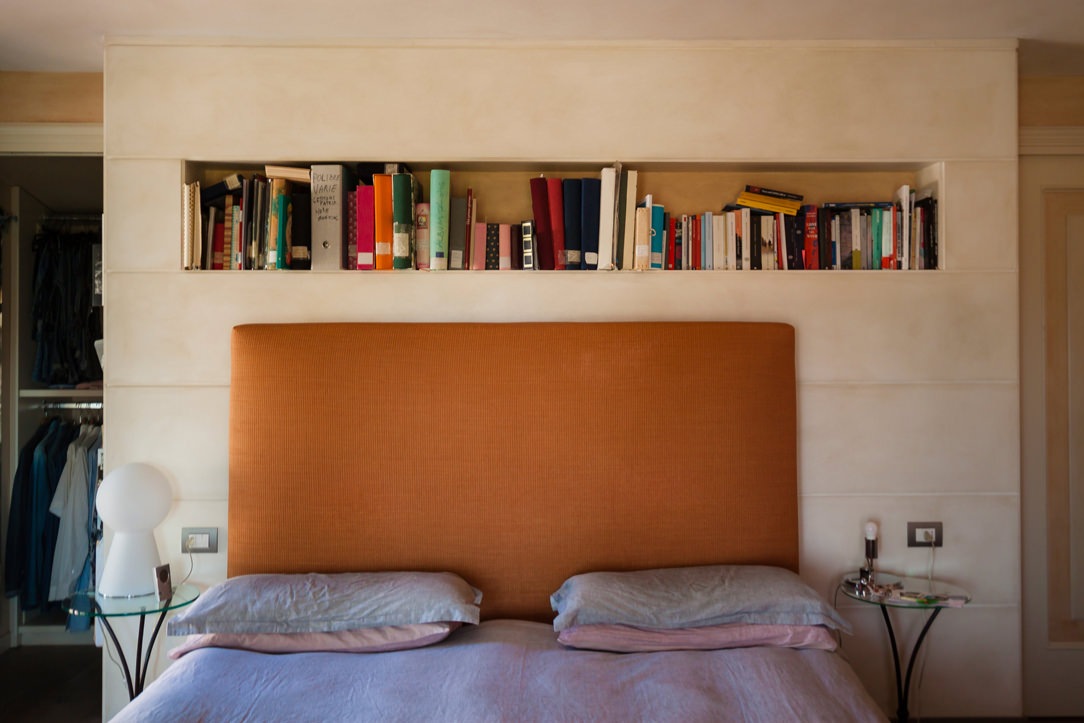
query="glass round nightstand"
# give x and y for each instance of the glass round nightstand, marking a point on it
(102, 608)
(913, 593)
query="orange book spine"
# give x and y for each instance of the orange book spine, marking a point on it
(382, 221)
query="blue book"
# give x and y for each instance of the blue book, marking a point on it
(589, 223)
(658, 235)
(572, 190)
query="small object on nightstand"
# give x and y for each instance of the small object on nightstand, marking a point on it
(163, 582)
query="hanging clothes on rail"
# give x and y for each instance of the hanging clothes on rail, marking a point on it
(50, 523)
(65, 320)
(71, 505)
(16, 554)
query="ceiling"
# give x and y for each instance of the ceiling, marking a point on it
(69, 35)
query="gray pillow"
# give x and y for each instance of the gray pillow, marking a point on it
(688, 597)
(318, 603)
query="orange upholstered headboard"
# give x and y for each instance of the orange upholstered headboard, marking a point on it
(512, 454)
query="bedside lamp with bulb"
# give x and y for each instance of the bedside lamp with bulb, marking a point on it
(133, 499)
(866, 573)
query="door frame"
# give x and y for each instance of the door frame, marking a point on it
(1051, 159)
(31, 139)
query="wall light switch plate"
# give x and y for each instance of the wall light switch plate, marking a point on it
(199, 539)
(925, 534)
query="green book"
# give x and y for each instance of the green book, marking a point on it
(440, 197)
(404, 194)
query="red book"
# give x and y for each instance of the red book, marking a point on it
(694, 221)
(366, 228)
(557, 220)
(811, 255)
(218, 246)
(543, 236)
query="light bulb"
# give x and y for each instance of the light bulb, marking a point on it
(871, 530)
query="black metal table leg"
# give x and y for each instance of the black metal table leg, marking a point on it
(142, 655)
(903, 686)
(120, 654)
(141, 676)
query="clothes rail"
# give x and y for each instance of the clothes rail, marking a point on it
(71, 405)
(96, 217)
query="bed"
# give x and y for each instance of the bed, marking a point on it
(525, 521)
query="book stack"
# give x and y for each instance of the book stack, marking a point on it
(374, 216)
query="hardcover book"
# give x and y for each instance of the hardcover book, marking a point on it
(541, 236)
(440, 197)
(457, 232)
(300, 228)
(515, 233)
(290, 173)
(768, 203)
(405, 193)
(528, 252)
(504, 246)
(492, 246)
(469, 231)
(421, 235)
(607, 218)
(327, 199)
(278, 232)
(209, 194)
(366, 201)
(810, 235)
(774, 193)
(572, 195)
(480, 246)
(383, 232)
(590, 219)
(555, 191)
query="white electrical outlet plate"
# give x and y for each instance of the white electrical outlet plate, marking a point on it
(199, 539)
(925, 534)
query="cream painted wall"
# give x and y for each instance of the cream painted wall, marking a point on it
(908, 382)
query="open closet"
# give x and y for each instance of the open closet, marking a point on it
(51, 402)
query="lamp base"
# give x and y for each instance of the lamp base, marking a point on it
(129, 565)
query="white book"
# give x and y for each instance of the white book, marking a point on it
(607, 218)
(642, 238)
(746, 238)
(903, 197)
(731, 246)
(767, 243)
(718, 241)
(327, 201)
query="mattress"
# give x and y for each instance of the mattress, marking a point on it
(505, 670)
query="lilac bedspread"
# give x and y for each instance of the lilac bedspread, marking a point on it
(507, 670)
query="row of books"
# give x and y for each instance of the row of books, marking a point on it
(373, 217)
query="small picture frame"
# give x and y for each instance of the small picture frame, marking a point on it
(163, 583)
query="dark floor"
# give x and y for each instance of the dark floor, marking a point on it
(45, 683)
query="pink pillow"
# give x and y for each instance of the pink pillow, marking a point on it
(362, 640)
(629, 639)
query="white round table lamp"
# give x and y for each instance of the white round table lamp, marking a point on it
(132, 500)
